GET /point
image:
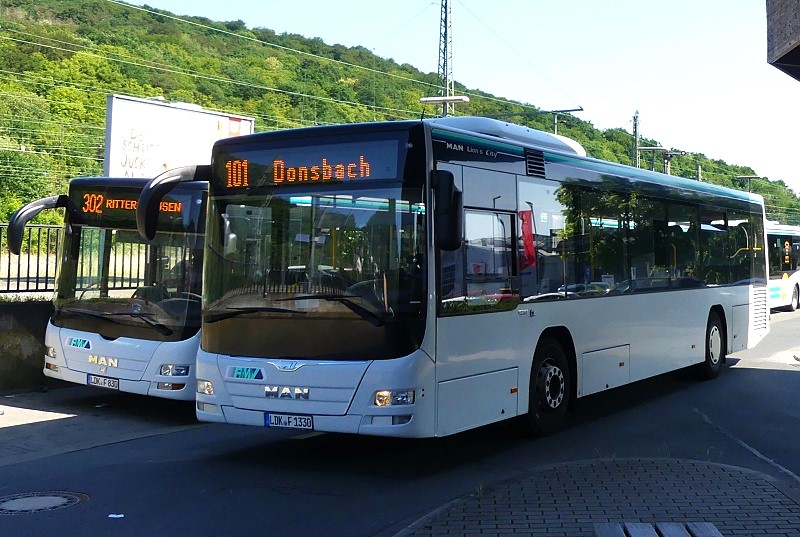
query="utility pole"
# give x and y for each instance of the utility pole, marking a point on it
(635, 152)
(667, 153)
(445, 70)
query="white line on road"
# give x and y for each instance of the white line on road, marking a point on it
(751, 449)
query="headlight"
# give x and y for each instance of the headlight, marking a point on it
(51, 352)
(172, 370)
(205, 387)
(394, 397)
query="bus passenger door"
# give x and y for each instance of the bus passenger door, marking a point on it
(478, 324)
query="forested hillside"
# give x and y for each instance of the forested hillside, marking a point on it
(59, 59)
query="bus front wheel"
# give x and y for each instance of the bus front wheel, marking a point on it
(715, 347)
(550, 389)
(795, 300)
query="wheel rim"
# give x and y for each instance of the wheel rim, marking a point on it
(714, 344)
(550, 381)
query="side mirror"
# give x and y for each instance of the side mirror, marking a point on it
(448, 211)
(16, 224)
(155, 190)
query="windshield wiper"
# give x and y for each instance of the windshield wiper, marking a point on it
(86, 313)
(162, 329)
(233, 312)
(147, 318)
(370, 316)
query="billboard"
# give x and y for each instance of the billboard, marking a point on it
(145, 137)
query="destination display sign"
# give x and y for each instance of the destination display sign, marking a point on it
(115, 207)
(329, 163)
(95, 202)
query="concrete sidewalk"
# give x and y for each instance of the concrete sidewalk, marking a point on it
(569, 499)
(34, 425)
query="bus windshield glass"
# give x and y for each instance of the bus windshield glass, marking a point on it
(112, 283)
(330, 271)
(353, 257)
(783, 250)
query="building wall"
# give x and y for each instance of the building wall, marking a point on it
(783, 36)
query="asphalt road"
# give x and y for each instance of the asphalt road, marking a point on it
(138, 466)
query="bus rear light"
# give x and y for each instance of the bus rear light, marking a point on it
(394, 397)
(206, 387)
(170, 386)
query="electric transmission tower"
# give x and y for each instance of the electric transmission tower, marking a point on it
(445, 71)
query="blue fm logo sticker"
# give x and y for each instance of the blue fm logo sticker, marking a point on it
(79, 343)
(248, 373)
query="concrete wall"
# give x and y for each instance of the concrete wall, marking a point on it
(22, 327)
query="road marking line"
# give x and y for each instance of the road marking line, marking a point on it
(306, 436)
(752, 450)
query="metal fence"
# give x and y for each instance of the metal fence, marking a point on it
(34, 270)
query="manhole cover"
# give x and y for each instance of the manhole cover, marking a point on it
(34, 502)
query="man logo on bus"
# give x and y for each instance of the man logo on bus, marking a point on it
(286, 392)
(103, 360)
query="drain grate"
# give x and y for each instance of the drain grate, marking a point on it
(35, 502)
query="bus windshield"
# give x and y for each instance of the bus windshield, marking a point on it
(783, 250)
(112, 282)
(338, 273)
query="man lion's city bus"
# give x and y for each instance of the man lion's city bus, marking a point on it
(783, 242)
(421, 278)
(127, 313)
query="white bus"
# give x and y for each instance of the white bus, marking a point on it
(783, 246)
(127, 313)
(421, 278)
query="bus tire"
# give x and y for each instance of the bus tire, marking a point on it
(715, 347)
(550, 389)
(795, 298)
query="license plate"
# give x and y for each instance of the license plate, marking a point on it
(289, 421)
(103, 382)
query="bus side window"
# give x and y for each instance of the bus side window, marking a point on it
(481, 275)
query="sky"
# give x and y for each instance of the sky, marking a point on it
(696, 71)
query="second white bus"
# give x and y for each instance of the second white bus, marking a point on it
(127, 312)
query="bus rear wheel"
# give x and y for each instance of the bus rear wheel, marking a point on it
(795, 300)
(715, 347)
(550, 388)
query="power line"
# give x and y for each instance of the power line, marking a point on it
(211, 78)
(304, 53)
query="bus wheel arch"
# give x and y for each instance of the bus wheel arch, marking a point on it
(553, 380)
(795, 304)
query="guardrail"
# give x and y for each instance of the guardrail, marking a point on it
(34, 270)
